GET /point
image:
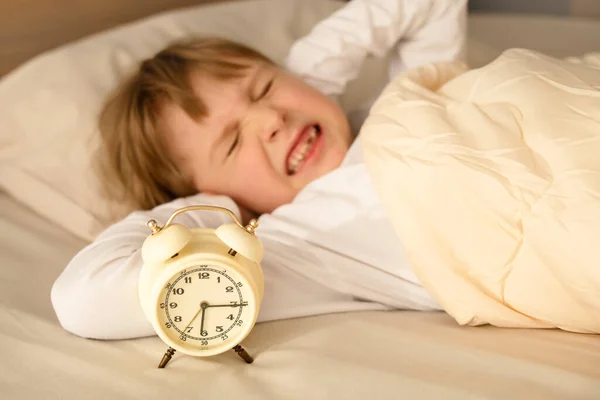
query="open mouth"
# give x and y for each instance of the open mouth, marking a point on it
(302, 148)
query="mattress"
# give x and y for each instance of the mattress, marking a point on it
(387, 355)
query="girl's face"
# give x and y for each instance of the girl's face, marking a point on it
(266, 136)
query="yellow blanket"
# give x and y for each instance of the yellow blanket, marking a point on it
(491, 178)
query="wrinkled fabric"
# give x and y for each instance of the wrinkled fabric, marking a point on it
(491, 178)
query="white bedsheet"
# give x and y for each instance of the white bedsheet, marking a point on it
(347, 355)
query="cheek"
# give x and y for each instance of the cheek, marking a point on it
(307, 99)
(315, 103)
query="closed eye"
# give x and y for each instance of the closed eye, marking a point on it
(234, 144)
(266, 89)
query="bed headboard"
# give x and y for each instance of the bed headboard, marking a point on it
(29, 27)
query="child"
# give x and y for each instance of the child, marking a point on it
(252, 137)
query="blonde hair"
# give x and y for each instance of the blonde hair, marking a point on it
(134, 166)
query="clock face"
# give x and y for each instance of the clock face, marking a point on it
(206, 309)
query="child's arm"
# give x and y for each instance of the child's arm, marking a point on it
(96, 296)
(416, 32)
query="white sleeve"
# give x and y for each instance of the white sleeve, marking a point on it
(96, 296)
(415, 32)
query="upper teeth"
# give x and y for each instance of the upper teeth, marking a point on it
(300, 152)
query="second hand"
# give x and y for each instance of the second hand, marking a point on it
(203, 306)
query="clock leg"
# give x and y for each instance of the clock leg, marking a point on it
(167, 357)
(242, 353)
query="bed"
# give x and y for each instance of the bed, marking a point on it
(347, 355)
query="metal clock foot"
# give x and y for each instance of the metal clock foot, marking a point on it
(242, 353)
(167, 357)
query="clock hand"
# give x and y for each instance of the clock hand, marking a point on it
(227, 305)
(204, 305)
(192, 320)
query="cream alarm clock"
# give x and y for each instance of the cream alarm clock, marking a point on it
(202, 288)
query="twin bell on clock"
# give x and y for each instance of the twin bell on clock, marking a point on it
(202, 288)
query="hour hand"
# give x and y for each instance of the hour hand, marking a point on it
(242, 304)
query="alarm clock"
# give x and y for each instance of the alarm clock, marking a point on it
(202, 288)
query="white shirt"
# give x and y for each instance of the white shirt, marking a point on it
(332, 249)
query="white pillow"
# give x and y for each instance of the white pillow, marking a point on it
(49, 106)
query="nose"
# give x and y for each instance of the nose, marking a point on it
(265, 121)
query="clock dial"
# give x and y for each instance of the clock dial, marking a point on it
(205, 308)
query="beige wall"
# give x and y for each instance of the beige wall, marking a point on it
(586, 8)
(578, 8)
(28, 27)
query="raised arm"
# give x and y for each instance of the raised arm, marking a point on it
(414, 32)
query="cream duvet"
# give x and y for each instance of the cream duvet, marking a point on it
(491, 178)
